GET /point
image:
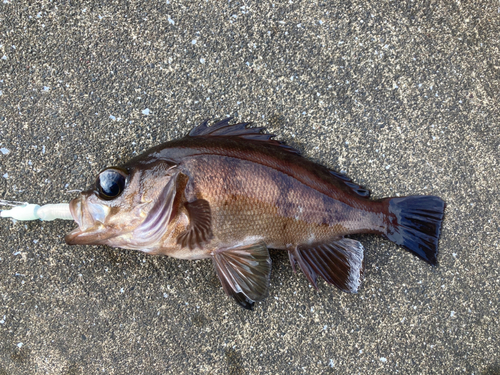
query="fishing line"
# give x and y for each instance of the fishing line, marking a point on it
(4, 202)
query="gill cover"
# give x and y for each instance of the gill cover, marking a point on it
(153, 227)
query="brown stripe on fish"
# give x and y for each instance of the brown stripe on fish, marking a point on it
(313, 175)
(285, 202)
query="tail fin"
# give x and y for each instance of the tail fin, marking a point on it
(415, 224)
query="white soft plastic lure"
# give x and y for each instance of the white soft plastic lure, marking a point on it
(24, 211)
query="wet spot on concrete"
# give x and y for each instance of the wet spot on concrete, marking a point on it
(200, 320)
(234, 362)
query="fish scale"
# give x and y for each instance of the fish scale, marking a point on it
(273, 205)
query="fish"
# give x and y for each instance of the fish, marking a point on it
(229, 192)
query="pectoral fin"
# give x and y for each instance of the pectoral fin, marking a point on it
(244, 272)
(339, 262)
(199, 230)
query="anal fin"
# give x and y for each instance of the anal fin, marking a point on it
(244, 272)
(339, 262)
(199, 230)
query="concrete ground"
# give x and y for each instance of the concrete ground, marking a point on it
(401, 95)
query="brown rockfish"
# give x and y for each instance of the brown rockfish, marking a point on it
(230, 192)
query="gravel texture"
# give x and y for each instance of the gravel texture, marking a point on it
(401, 95)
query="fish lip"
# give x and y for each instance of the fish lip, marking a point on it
(75, 236)
(75, 208)
(78, 236)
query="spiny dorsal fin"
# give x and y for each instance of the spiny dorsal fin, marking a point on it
(224, 129)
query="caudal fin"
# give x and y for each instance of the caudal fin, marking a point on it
(415, 224)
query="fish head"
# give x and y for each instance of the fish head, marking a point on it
(120, 205)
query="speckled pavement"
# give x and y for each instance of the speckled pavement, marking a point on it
(403, 96)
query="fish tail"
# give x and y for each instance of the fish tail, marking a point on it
(415, 223)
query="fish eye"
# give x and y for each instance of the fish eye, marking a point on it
(110, 183)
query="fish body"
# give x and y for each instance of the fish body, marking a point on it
(229, 192)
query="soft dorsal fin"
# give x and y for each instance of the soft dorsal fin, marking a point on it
(240, 130)
(358, 189)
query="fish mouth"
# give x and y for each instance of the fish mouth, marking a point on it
(89, 231)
